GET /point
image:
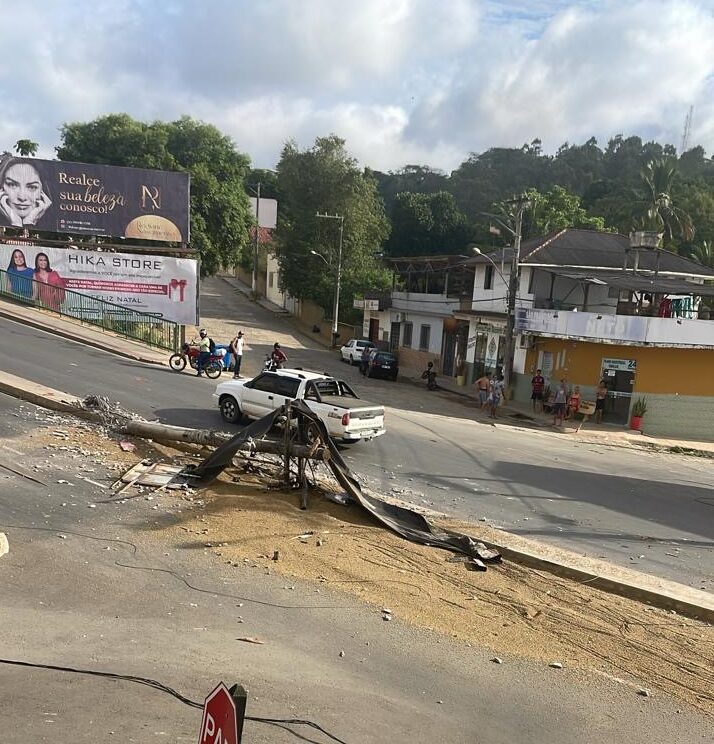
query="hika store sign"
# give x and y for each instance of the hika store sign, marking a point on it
(158, 285)
(82, 198)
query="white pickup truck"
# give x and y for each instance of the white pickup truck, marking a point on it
(346, 417)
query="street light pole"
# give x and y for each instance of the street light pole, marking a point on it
(254, 283)
(513, 280)
(336, 310)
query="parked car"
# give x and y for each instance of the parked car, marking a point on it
(346, 416)
(381, 364)
(352, 351)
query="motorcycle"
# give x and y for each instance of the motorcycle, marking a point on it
(189, 353)
(270, 365)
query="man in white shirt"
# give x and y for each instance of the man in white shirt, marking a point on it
(237, 351)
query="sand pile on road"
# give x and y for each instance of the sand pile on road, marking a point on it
(510, 609)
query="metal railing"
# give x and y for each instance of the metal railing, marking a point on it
(144, 327)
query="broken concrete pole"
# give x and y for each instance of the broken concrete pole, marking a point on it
(210, 438)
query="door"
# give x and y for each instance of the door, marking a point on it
(259, 395)
(394, 337)
(619, 374)
(374, 329)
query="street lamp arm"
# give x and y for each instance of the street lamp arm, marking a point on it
(500, 221)
(478, 252)
(319, 255)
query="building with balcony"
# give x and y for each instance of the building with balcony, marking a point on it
(591, 307)
(416, 320)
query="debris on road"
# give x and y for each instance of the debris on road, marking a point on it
(4, 545)
(249, 639)
(497, 660)
(127, 446)
(555, 665)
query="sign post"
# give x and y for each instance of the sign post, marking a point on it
(223, 716)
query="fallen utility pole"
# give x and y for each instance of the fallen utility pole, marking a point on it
(209, 438)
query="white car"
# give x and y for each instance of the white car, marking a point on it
(352, 351)
(346, 417)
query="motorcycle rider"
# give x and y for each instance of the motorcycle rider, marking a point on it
(278, 357)
(204, 351)
(430, 376)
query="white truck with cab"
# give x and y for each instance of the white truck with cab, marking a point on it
(347, 417)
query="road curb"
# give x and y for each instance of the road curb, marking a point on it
(596, 573)
(608, 577)
(95, 343)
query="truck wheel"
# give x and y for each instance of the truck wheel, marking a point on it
(230, 410)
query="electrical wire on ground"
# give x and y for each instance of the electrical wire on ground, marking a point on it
(156, 685)
(178, 576)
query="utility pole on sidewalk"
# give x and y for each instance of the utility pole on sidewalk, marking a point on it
(254, 282)
(521, 204)
(338, 280)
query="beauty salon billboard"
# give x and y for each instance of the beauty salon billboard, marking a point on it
(88, 199)
(159, 285)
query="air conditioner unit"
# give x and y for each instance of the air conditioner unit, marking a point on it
(527, 341)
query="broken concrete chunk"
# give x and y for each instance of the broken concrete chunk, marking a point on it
(4, 545)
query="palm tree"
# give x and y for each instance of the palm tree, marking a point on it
(25, 147)
(704, 254)
(658, 210)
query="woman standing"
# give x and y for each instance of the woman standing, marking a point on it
(20, 275)
(49, 292)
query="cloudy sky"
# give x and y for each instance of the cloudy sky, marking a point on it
(403, 81)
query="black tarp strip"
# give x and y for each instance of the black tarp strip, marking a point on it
(405, 522)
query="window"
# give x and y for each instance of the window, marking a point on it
(287, 387)
(488, 278)
(531, 278)
(270, 278)
(407, 335)
(424, 333)
(266, 383)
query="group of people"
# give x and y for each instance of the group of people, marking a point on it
(41, 283)
(491, 392)
(206, 349)
(565, 404)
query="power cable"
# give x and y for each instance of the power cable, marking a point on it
(156, 685)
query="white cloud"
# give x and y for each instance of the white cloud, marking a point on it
(403, 81)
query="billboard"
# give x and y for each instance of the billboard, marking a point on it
(87, 199)
(159, 285)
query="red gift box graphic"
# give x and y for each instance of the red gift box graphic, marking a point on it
(177, 288)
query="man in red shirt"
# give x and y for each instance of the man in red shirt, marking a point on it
(537, 388)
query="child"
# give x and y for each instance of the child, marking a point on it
(574, 402)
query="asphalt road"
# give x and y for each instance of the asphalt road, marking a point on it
(67, 601)
(94, 589)
(653, 512)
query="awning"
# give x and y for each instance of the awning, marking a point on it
(636, 282)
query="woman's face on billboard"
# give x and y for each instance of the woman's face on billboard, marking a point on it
(23, 187)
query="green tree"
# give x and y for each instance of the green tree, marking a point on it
(557, 209)
(426, 224)
(220, 215)
(26, 148)
(325, 179)
(704, 253)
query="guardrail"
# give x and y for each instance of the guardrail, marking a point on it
(144, 327)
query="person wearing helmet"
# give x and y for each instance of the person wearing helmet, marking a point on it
(204, 351)
(278, 356)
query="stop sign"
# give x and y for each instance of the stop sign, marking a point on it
(219, 718)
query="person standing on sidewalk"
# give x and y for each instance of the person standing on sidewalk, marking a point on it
(204, 351)
(600, 396)
(237, 352)
(537, 388)
(482, 386)
(561, 398)
(495, 394)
